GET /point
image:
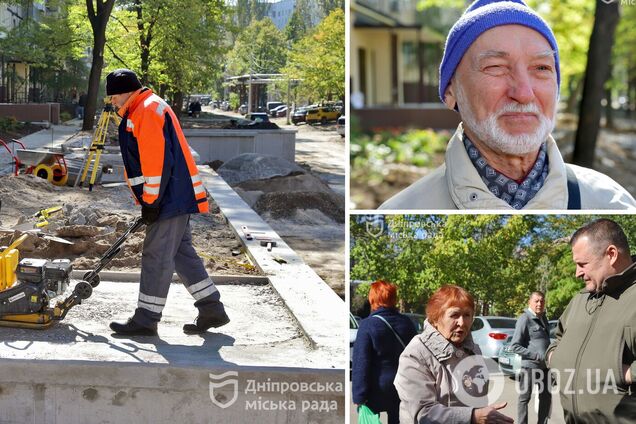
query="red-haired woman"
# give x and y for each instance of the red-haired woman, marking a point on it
(381, 338)
(426, 383)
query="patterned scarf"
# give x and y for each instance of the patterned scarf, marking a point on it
(515, 194)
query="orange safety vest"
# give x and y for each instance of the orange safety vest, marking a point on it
(159, 167)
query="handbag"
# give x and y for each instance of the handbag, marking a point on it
(366, 416)
(392, 330)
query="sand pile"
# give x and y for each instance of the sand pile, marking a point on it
(280, 189)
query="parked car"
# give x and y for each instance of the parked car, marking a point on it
(242, 109)
(274, 111)
(281, 111)
(225, 105)
(272, 105)
(353, 332)
(510, 362)
(257, 116)
(299, 116)
(418, 320)
(322, 114)
(340, 126)
(490, 333)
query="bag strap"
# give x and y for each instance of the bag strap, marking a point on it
(574, 194)
(391, 328)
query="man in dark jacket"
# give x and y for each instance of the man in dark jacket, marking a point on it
(164, 180)
(596, 338)
(531, 339)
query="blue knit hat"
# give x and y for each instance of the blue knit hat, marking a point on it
(481, 16)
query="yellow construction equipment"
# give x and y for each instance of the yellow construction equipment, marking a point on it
(43, 215)
(30, 285)
(9, 259)
(97, 144)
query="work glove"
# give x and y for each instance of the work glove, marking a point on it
(149, 215)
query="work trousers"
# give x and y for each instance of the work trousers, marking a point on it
(528, 378)
(168, 248)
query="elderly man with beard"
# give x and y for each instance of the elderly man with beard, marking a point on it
(500, 71)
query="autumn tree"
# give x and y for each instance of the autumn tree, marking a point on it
(318, 59)
(260, 48)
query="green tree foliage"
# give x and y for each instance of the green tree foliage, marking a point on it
(175, 46)
(296, 27)
(327, 6)
(499, 259)
(260, 48)
(318, 59)
(53, 47)
(246, 11)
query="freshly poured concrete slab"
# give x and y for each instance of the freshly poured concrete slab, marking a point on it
(258, 366)
(261, 332)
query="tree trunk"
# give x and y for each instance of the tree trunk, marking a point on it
(98, 20)
(576, 83)
(596, 74)
(609, 116)
(177, 104)
(145, 37)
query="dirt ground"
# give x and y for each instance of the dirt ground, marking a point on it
(94, 220)
(18, 131)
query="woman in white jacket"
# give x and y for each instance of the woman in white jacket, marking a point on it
(439, 376)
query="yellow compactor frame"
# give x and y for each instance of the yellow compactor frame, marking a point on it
(9, 259)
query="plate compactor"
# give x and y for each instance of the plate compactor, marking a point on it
(27, 286)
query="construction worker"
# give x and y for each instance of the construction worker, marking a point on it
(164, 179)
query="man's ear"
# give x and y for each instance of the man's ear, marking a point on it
(449, 96)
(612, 254)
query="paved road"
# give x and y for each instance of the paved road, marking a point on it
(319, 146)
(509, 395)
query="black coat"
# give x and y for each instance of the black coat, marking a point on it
(376, 354)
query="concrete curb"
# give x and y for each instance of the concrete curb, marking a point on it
(133, 276)
(315, 306)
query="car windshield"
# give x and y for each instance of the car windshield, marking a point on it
(501, 322)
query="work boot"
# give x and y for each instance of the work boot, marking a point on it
(131, 328)
(206, 321)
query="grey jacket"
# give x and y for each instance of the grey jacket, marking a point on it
(424, 380)
(531, 339)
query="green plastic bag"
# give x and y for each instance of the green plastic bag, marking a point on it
(366, 416)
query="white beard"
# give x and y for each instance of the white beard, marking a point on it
(490, 133)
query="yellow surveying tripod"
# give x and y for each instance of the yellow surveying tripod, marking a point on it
(97, 145)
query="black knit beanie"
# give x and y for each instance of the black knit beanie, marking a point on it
(121, 81)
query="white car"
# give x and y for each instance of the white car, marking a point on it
(340, 126)
(353, 332)
(491, 332)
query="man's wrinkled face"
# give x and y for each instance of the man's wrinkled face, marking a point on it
(119, 100)
(593, 264)
(537, 304)
(506, 89)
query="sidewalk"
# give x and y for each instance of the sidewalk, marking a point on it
(52, 137)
